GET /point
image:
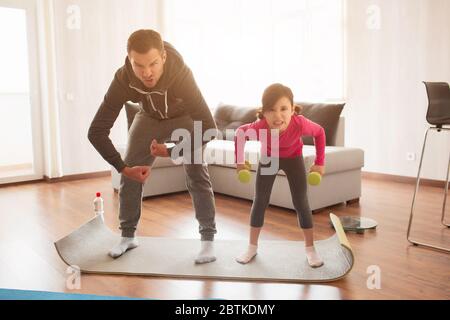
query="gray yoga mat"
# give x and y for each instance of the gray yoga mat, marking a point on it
(88, 246)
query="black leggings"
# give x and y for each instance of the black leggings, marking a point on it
(296, 175)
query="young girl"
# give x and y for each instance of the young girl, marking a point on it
(279, 113)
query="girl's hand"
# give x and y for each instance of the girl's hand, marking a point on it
(158, 149)
(319, 169)
(240, 166)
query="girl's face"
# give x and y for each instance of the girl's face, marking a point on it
(279, 116)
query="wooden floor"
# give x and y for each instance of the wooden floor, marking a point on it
(33, 216)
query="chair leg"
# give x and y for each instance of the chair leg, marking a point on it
(414, 200)
(445, 195)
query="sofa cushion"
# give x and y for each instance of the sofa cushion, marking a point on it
(325, 114)
(232, 117)
(337, 159)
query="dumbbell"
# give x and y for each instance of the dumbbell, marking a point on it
(244, 175)
(314, 178)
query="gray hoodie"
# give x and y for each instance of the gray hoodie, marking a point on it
(175, 94)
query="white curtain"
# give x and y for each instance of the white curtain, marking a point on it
(236, 48)
(49, 90)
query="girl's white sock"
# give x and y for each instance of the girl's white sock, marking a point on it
(247, 256)
(313, 257)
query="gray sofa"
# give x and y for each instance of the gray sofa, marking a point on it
(341, 182)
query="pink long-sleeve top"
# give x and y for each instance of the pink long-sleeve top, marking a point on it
(290, 144)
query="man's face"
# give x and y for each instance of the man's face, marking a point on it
(148, 67)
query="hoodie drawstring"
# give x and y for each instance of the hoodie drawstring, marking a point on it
(149, 98)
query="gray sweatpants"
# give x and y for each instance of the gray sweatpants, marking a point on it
(143, 130)
(296, 175)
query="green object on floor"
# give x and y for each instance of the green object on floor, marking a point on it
(357, 224)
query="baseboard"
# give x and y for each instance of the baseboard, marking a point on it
(72, 177)
(402, 179)
(13, 184)
(81, 176)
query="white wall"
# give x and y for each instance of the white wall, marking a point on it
(385, 113)
(87, 58)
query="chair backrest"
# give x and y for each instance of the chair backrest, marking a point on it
(438, 112)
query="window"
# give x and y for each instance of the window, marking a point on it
(19, 127)
(237, 48)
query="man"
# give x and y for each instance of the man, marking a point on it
(155, 76)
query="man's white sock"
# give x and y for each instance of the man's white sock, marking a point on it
(124, 245)
(206, 253)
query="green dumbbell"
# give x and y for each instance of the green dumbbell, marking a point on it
(244, 175)
(314, 178)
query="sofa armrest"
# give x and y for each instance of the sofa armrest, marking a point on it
(340, 133)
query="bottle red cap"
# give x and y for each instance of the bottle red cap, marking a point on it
(98, 194)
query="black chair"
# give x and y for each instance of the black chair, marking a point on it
(438, 115)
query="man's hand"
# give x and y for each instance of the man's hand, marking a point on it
(318, 169)
(137, 173)
(158, 149)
